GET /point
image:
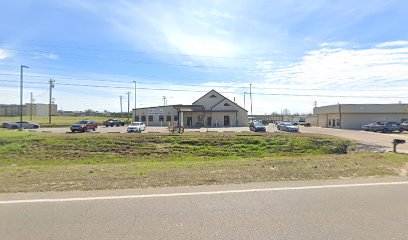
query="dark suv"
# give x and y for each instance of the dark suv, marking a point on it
(83, 126)
(387, 127)
(113, 122)
(257, 126)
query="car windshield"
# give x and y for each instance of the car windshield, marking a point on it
(82, 122)
(135, 124)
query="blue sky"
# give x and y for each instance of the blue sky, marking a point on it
(293, 52)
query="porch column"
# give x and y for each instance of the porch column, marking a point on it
(181, 119)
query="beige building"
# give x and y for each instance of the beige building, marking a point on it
(211, 110)
(353, 116)
(36, 109)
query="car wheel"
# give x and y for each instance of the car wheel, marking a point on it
(35, 127)
(72, 130)
(386, 130)
(84, 129)
(13, 127)
(112, 125)
(94, 129)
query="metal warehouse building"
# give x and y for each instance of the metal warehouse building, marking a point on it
(211, 110)
(353, 116)
(35, 109)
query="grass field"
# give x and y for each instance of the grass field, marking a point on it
(44, 162)
(57, 120)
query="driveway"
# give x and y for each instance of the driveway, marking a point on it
(383, 140)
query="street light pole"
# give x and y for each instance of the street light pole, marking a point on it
(49, 106)
(250, 95)
(128, 93)
(135, 93)
(20, 127)
(121, 112)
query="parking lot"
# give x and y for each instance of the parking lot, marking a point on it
(381, 140)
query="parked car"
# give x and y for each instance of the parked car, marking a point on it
(288, 127)
(386, 127)
(404, 125)
(113, 122)
(83, 126)
(257, 126)
(136, 127)
(369, 127)
(306, 124)
(16, 125)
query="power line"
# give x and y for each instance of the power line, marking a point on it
(200, 85)
(109, 59)
(204, 91)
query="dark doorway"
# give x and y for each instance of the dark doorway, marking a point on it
(209, 120)
(226, 121)
(189, 121)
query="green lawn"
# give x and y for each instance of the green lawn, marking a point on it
(57, 120)
(43, 162)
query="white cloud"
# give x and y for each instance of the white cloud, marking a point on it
(4, 54)
(50, 56)
(393, 44)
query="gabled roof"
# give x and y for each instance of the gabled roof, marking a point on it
(212, 90)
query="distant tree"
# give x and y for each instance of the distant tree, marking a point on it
(88, 112)
(286, 112)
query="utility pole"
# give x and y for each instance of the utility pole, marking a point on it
(49, 107)
(250, 95)
(20, 127)
(244, 100)
(121, 106)
(135, 93)
(164, 100)
(128, 93)
(315, 103)
(31, 106)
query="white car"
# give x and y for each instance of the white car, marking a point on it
(136, 127)
(25, 125)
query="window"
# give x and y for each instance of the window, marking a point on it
(213, 96)
(227, 105)
(137, 118)
(150, 118)
(175, 118)
(168, 118)
(161, 118)
(329, 122)
(143, 118)
(338, 122)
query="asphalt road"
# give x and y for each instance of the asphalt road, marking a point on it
(288, 210)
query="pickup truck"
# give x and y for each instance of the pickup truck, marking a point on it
(83, 126)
